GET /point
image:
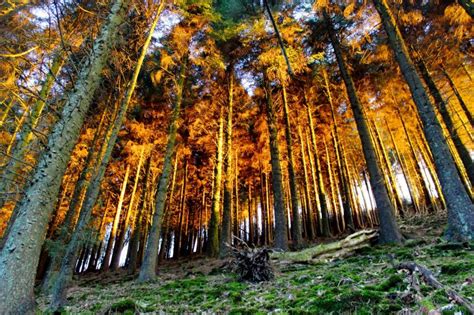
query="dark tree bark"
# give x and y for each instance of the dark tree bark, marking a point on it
(458, 96)
(65, 276)
(389, 232)
(321, 196)
(226, 231)
(148, 269)
(34, 210)
(443, 110)
(118, 247)
(213, 249)
(295, 218)
(346, 208)
(280, 40)
(281, 240)
(460, 207)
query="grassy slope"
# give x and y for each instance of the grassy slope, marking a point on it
(365, 283)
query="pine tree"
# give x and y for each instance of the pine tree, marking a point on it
(460, 207)
(27, 232)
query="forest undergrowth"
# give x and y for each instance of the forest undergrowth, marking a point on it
(367, 282)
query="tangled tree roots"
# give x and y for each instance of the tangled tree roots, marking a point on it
(252, 264)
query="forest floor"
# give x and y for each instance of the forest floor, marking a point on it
(364, 283)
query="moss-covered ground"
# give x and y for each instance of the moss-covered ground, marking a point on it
(365, 283)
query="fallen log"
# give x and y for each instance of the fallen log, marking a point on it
(329, 251)
(431, 280)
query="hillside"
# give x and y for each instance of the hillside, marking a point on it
(365, 283)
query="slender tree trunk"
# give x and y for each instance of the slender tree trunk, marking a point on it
(321, 193)
(147, 271)
(295, 218)
(137, 229)
(201, 211)
(263, 209)
(281, 240)
(458, 95)
(113, 232)
(251, 229)
(27, 232)
(332, 190)
(460, 207)
(213, 249)
(354, 202)
(226, 232)
(67, 226)
(389, 232)
(98, 241)
(383, 166)
(81, 258)
(280, 40)
(309, 209)
(418, 168)
(402, 165)
(182, 213)
(169, 212)
(346, 208)
(397, 199)
(65, 277)
(270, 210)
(121, 238)
(236, 217)
(443, 110)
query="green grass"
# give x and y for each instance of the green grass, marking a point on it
(366, 283)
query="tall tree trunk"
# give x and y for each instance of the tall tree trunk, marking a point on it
(263, 209)
(98, 240)
(68, 224)
(418, 169)
(309, 208)
(346, 208)
(236, 217)
(202, 211)
(137, 229)
(213, 249)
(443, 110)
(148, 268)
(321, 192)
(169, 212)
(460, 207)
(121, 238)
(402, 166)
(296, 235)
(115, 225)
(280, 40)
(182, 213)
(226, 232)
(397, 198)
(34, 210)
(389, 232)
(281, 240)
(269, 210)
(65, 276)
